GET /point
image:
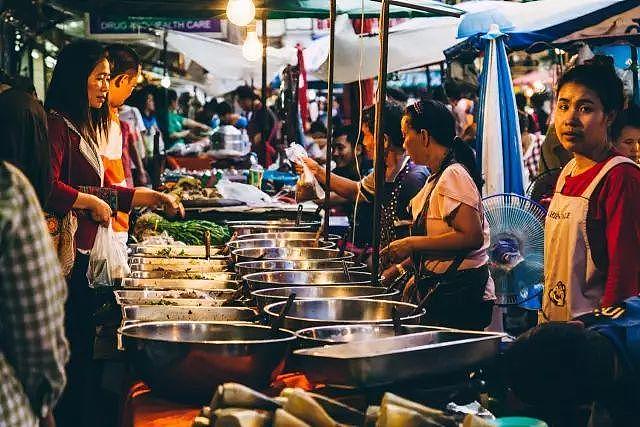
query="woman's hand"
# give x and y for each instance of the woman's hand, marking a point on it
(390, 275)
(397, 251)
(100, 211)
(171, 205)
(409, 290)
(311, 164)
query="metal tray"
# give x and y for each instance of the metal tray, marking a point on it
(341, 334)
(275, 279)
(294, 254)
(177, 302)
(248, 267)
(186, 275)
(213, 263)
(275, 243)
(390, 360)
(168, 251)
(268, 296)
(180, 267)
(151, 313)
(179, 284)
(190, 294)
(288, 235)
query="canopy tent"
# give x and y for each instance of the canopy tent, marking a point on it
(234, 70)
(421, 41)
(275, 9)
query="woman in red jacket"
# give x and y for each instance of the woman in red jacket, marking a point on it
(592, 229)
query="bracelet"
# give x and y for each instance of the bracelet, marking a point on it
(400, 269)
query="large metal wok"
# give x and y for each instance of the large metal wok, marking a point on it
(276, 279)
(248, 267)
(340, 334)
(292, 254)
(273, 243)
(187, 360)
(308, 313)
(251, 227)
(289, 235)
(268, 296)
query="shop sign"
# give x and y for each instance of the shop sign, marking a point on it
(134, 25)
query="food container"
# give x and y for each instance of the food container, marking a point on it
(273, 243)
(150, 313)
(248, 267)
(396, 359)
(292, 254)
(251, 227)
(268, 296)
(185, 361)
(131, 283)
(173, 251)
(155, 297)
(219, 276)
(341, 334)
(309, 313)
(289, 235)
(275, 279)
(139, 263)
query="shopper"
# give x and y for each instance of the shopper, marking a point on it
(261, 121)
(178, 126)
(450, 235)
(592, 229)
(34, 349)
(626, 133)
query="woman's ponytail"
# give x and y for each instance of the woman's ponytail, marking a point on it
(466, 156)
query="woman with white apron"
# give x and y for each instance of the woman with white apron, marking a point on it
(592, 229)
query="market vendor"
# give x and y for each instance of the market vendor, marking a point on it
(179, 127)
(592, 229)
(403, 178)
(450, 235)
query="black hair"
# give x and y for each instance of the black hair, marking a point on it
(211, 105)
(435, 118)
(24, 84)
(123, 59)
(349, 131)
(391, 118)
(67, 92)
(224, 108)
(24, 140)
(523, 120)
(452, 90)
(578, 368)
(172, 96)
(628, 117)
(521, 101)
(318, 127)
(245, 92)
(5, 78)
(599, 75)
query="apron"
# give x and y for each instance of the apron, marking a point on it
(573, 284)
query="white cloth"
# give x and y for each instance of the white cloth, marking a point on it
(573, 285)
(455, 187)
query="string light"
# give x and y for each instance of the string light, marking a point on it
(35, 54)
(252, 48)
(241, 12)
(165, 82)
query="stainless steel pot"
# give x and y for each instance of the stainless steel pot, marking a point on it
(268, 296)
(150, 313)
(219, 276)
(173, 251)
(276, 279)
(248, 267)
(309, 313)
(187, 360)
(289, 235)
(339, 334)
(187, 297)
(129, 283)
(251, 227)
(294, 254)
(273, 243)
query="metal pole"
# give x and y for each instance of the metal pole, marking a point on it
(379, 136)
(428, 73)
(332, 36)
(634, 72)
(263, 93)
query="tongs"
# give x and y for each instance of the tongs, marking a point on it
(278, 321)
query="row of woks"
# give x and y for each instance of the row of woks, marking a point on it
(187, 325)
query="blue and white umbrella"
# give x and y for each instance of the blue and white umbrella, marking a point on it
(498, 138)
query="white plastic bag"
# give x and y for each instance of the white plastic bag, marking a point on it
(108, 260)
(308, 187)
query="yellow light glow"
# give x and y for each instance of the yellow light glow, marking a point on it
(252, 48)
(241, 12)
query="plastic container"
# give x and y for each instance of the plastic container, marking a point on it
(519, 422)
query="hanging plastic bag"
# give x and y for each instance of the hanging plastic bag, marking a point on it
(307, 187)
(108, 260)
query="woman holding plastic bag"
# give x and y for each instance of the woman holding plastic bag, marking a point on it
(77, 112)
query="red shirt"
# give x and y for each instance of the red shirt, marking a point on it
(71, 170)
(613, 226)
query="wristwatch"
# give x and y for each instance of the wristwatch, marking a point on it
(400, 269)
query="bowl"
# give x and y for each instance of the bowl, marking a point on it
(268, 296)
(340, 334)
(248, 267)
(292, 254)
(274, 243)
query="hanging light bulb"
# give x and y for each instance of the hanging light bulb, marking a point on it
(35, 54)
(241, 12)
(165, 82)
(252, 48)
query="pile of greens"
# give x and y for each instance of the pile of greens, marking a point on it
(190, 232)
